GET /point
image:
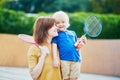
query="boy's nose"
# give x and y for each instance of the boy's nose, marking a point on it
(60, 23)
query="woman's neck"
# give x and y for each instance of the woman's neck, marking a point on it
(49, 39)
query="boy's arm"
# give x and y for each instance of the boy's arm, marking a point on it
(54, 52)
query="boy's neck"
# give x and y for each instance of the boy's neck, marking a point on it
(62, 30)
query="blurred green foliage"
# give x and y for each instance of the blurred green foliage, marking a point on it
(110, 24)
(35, 6)
(2, 3)
(15, 22)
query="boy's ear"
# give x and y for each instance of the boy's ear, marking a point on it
(67, 25)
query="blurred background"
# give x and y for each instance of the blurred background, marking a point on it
(100, 55)
(16, 13)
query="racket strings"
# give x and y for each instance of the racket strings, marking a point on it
(95, 29)
(27, 38)
(93, 26)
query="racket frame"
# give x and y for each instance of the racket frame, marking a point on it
(86, 30)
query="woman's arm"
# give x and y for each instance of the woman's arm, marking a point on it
(38, 68)
(35, 65)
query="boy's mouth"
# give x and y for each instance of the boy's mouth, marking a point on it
(61, 27)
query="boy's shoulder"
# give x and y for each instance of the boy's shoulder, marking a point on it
(67, 31)
(70, 31)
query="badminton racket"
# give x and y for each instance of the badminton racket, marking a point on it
(92, 28)
(29, 39)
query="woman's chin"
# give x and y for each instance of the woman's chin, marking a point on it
(56, 34)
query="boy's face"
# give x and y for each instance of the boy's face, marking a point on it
(61, 21)
(61, 25)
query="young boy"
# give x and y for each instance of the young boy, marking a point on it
(65, 42)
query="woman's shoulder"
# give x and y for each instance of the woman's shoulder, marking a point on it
(33, 50)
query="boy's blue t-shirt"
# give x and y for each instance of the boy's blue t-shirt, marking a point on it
(65, 42)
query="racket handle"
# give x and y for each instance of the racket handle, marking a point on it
(79, 43)
(78, 46)
(85, 34)
(40, 47)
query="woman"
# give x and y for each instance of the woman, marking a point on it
(40, 59)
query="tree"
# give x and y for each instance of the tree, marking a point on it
(2, 3)
(34, 6)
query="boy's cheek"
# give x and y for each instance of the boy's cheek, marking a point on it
(57, 25)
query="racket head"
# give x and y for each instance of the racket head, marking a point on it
(27, 38)
(92, 26)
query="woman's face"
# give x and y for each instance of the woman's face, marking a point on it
(53, 31)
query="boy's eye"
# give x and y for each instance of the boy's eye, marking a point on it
(57, 22)
(63, 22)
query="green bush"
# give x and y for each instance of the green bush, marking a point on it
(110, 24)
(18, 22)
(15, 22)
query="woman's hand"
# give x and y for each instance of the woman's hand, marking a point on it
(44, 50)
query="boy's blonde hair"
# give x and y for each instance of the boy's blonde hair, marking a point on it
(61, 16)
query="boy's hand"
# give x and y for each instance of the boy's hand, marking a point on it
(80, 42)
(56, 63)
(84, 40)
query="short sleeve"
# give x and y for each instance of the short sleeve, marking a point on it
(75, 36)
(33, 56)
(54, 40)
